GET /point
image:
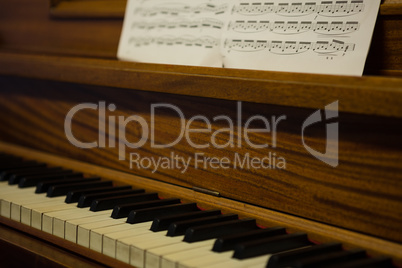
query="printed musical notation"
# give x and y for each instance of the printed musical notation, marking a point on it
(181, 24)
(317, 36)
(179, 9)
(294, 27)
(187, 41)
(325, 8)
(288, 47)
(174, 32)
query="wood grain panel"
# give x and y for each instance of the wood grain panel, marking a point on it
(364, 193)
(25, 25)
(105, 9)
(115, 9)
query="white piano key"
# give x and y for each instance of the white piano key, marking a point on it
(97, 236)
(207, 258)
(110, 239)
(210, 258)
(16, 205)
(247, 263)
(3, 189)
(13, 195)
(154, 256)
(71, 226)
(123, 245)
(48, 218)
(59, 221)
(172, 260)
(26, 208)
(9, 189)
(138, 249)
(83, 231)
(36, 213)
(57, 218)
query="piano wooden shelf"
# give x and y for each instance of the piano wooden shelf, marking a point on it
(369, 95)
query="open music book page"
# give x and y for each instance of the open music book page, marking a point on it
(327, 37)
(174, 32)
(310, 36)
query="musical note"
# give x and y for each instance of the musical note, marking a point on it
(325, 47)
(246, 45)
(177, 10)
(325, 8)
(294, 27)
(189, 24)
(287, 47)
(256, 8)
(340, 8)
(249, 26)
(336, 27)
(188, 41)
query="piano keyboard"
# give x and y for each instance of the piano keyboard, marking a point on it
(139, 228)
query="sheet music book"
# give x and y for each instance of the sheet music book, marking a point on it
(309, 36)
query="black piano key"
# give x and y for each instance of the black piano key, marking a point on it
(19, 165)
(63, 189)
(127, 209)
(30, 181)
(10, 174)
(111, 202)
(180, 227)
(6, 162)
(270, 245)
(124, 210)
(14, 164)
(148, 214)
(379, 262)
(74, 196)
(334, 258)
(288, 258)
(9, 158)
(43, 187)
(230, 241)
(161, 223)
(204, 232)
(16, 178)
(86, 199)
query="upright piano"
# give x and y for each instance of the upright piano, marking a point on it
(66, 101)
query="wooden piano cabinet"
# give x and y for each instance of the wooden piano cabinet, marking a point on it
(361, 194)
